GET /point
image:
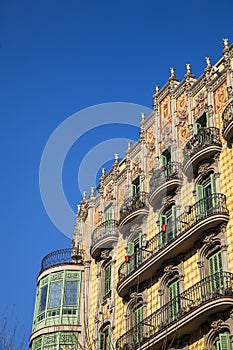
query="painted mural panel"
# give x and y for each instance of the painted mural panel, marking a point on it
(182, 119)
(165, 123)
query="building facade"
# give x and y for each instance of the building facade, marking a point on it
(151, 263)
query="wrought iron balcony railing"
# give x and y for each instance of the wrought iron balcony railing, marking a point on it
(207, 207)
(215, 286)
(204, 138)
(133, 203)
(105, 229)
(165, 173)
(227, 118)
(61, 257)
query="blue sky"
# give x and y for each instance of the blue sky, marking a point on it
(58, 57)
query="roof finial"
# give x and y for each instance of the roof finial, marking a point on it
(225, 43)
(103, 171)
(84, 195)
(143, 116)
(116, 155)
(172, 71)
(208, 64)
(92, 191)
(188, 68)
(156, 89)
(129, 145)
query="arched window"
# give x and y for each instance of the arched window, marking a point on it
(104, 337)
(136, 315)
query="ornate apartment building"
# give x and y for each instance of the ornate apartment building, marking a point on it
(151, 263)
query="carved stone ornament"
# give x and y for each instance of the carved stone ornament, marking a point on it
(166, 201)
(136, 168)
(83, 211)
(133, 295)
(109, 192)
(201, 103)
(168, 269)
(203, 169)
(209, 240)
(104, 254)
(217, 325)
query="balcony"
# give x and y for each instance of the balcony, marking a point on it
(164, 181)
(202, 146)
(103, 237)
(62, 257)
(134, 207)
(227, 118)
(204, 215)
(187, 311)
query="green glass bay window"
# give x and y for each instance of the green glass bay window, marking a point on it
(58, 296)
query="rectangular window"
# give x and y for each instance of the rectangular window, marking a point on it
(167, 227)
(138, 318)
(174, 300)
(107, 281)
(215, 271)
(43, 297)
(55, 294)
(70, 296)
(136, 186)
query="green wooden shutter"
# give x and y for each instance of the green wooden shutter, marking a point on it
(197, 126)
(140, 184)
(133, 189)
(131, 254)
(224, 342)
(207, 120)
(200, 209)
(173, 221)
(107, 281)
(173, 292)
(213, 191)
(101, 341)
(163, 162)
(215, 270)
(162, 235)
(138, 317)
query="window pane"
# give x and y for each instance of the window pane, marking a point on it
(43, 297)
(70, 297)
(55, 294)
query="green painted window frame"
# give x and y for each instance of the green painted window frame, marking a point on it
(165, 237)
(134, 260)
(136, 186)
(137, 319)
(202, 206)
(174, 299)
(45, 296)
(104, 339)
(107, 280)
(224, 342)
(215, 264)
(56, 314)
